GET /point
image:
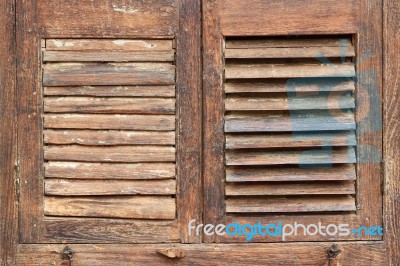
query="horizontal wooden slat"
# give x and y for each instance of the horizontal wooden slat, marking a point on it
(107, 44)
(292, 85)
(110, 154)
(109, 105)
(91, 137)
(287, 140)
(78, 74)
(291, 173)
(108, 56)
(137, 171)
(142, 207)
(333, 101)
(303, 157)
(302, 52)
(127, 122)
(290, 188)
(292, 204)
(112, 91)
(335, 121)
(287, 43)
(58, 187)
(249, 71)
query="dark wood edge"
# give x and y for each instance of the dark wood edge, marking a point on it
(189, 131)
(355, 253)
(8, 195)
(391, 96)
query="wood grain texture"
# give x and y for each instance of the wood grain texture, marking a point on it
(74, 170)
(108, 19)
(249, 71)
(8, 140)
(109, 105)
(291, 85)
(308, 253)
(110, 137)
(123, 122)
(287, 140)
(290, 204)
(57, 187)
(279, 17)
(108, 44)
(290, 188)
(290, 173)
(142, 207)
(108, 56)
(302, 157)
(110, 154)
(79, 74)
(112, 91)
(392, 127)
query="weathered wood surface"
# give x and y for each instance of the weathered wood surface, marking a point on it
(56, 187)
(290, 204)
(291, 173)
(142, 207)
(75, 170)
(108, 56)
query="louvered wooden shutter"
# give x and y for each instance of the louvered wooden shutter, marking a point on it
(290, 125)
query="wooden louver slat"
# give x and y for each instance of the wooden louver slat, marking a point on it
(290, 125)
(109, 128)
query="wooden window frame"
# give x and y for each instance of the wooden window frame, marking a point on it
(385, 252)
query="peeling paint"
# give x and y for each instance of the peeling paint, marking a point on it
(124, 9)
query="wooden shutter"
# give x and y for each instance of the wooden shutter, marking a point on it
(287, 135)
(108, 109)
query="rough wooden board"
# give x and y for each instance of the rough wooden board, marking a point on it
(123, 122)
(109, 105)
(109, 137)
(74, 170)
(57, 187)
(292, 204)
(112, 91)
(142, 207)
(80, 74)
(123, 154)
(335, 172)
(108, 44)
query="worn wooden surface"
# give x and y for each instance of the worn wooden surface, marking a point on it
(391, 128)
(8, 195)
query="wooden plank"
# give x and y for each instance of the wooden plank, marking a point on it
(309, 253)
(271, 123)
(289, 42)
(79, 74)
(303, 157)
(287, 140)
(129, 154)
(302, 52)
(112, 91)
(123, 122)
(141, 207)
(290, 17)
(108, 19)
(290, 188)
(91, 137)
(138, 171)
(332, 101)
(291, 85)
(291, 173)
(108, 56)
(62, 187)
(108, 45)
(250, 71)
(290, 204)
(109, 105)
